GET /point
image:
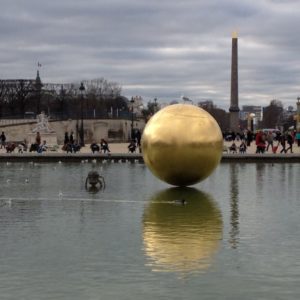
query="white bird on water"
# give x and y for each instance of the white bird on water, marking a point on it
(60, 195)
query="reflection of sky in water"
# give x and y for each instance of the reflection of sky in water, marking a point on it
(181, 238)
(107, 244)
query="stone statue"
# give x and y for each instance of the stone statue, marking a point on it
(42, 123)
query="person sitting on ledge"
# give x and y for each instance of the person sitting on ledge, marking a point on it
(132, 146)
(233, 148)
(71, 147)
(243, 147)
(43, 147)
(22, 146)
(94, 147)
(104, 146)
(35, 146)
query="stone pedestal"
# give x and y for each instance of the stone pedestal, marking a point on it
(49, 137)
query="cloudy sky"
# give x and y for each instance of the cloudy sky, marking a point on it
(157, 48)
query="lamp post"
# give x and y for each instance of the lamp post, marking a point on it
(251, 117)
(132, 102)
(62, 100)
(298, 122)
(155, 105)
(81, 89)
(298, 116)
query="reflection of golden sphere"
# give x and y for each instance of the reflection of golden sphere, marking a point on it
(181, 238)
(182, 144)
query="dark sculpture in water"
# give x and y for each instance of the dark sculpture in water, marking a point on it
(93, 179)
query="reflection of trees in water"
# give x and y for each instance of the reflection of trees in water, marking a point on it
(181, 237)
(234, 206)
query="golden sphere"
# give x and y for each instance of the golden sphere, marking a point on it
(182, 144)
(181, 239)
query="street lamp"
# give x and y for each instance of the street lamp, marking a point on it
(251, 117)
(132, 102)
(62, 100)
(155, 105)
(298, 122)
(298, 115)
(81, 89)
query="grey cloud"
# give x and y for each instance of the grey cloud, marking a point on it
(157, 49)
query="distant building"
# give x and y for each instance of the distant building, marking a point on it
(251, 109)
(137, 105)
(251, 116)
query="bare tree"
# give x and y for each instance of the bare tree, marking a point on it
(15, 95)
(102, 88)
(3, 91)
(24, 89)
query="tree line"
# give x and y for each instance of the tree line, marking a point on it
(20, 98)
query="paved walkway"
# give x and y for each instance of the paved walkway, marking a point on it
(119, 153)
(122, 148)
(252, 148)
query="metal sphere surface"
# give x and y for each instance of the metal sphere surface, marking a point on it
(182, 144)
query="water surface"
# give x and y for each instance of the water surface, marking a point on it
(236, 236)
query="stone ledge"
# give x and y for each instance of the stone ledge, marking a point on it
(122, 157)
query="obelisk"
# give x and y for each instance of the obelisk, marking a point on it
(234, 94)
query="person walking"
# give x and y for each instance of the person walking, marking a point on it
(270, 139)
(298, 138)
(290, 141)
(260, 141)
(2, 140)
(249, 138)
(283, 143)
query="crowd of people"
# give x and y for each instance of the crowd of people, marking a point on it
(265, 140)
(272, 141)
